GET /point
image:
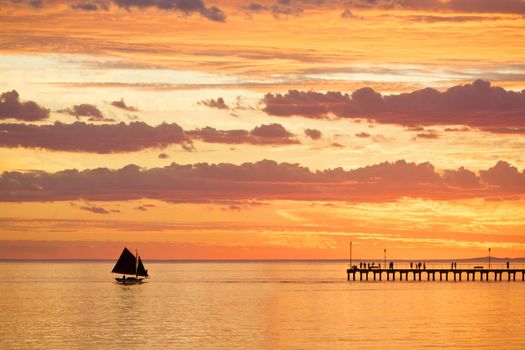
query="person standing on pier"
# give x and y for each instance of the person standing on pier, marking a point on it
(508, 265)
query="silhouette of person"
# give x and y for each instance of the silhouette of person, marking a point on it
(508, 264)
(411, 264)
(424, 266)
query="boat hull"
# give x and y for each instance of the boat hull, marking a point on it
(129, 280)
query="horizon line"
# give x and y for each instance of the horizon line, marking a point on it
(261, 260)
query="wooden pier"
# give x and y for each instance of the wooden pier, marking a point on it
(433, 274)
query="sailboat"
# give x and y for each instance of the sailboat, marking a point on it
(129, 264)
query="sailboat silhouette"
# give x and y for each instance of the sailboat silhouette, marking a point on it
(129, 264)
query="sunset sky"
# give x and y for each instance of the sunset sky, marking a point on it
(283, 129)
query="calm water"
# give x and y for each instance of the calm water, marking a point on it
(260, 305)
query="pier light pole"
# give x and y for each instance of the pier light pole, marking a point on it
(489, 258)
(385, 258)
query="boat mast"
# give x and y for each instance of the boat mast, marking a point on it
(136, 263)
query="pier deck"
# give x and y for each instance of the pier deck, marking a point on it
(433, 274)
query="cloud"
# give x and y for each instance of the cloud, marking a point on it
(362, 135)
(95, 209)
(255, 7)
(270, 134)
(122, 105)
(430, 134)
(83, 137)
(348, 14)
(314, 134)
(87, 110)
(90, 6)
(463, 6)
(212, 13)
(144, 207)
(12, 108)
(478, 105)
(263, 180)
(279, 10)
(461, 129)
(218, 103)
(135, 136)
(487, 6)
(163, 156)
(505, 176)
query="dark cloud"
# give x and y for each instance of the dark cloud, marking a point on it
(89, 111)
(95, 209)
(314, 134)
(163, 156)
(12, 108)
(263, 180)
(122, 105)
(255, 7)
(145, 207)
(505, 176)
(218, 103)
(278, 10)
(90, 6)
(478, 105)
(487, 6)
(82, 137)
(135, 136)
(271, 134)
(363, 135)
(430, 134)
(462, 6)
(185, 6)
(347, 13)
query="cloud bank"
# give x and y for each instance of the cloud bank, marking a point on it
(212, 13)
(263, 180)
(477, 105)
(135, 136)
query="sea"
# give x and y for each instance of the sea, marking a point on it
(250, 305)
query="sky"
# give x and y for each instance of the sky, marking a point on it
(282, 129)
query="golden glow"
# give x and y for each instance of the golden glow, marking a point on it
(165, 63)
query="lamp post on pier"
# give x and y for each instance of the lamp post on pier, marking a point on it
(385, 259)
(489, 258)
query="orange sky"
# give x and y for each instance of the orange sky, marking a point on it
(377, 122)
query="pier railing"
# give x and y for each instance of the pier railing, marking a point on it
(418, 271)
(443, 265)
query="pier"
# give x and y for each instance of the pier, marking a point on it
(355, 273)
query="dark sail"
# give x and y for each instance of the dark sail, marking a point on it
(127, 265)
(141, 271)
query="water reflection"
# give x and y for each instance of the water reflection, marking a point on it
(249, 305)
